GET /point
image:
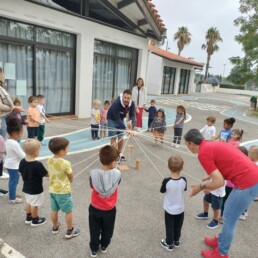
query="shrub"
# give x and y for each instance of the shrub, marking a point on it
(232, 86)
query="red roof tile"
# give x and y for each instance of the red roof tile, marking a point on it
(173, 57)
(156, 15)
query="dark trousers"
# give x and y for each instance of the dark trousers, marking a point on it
(150, 120)
(174, 225)
(94, 131)
(101, 225)
(177, 135)
(41, 133)
(228, 190)
(1, 168)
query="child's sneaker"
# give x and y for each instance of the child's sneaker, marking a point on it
(93, 253)
(176, 244)
(72, 233)
(201, 215)
(166, 246)
(246, 213)
(38, 222)
(213, 254)
(211, 242)
(56, 230)
(242, 217)
(28, 220)
(213, 224)
(103, 249)
(16, 201)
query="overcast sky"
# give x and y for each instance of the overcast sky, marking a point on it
(198, 16)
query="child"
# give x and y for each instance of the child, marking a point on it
(102, 211)
(152, 110)
(32, 172)
(225, 133)
(159, 126)
(215, 198)
(178, 125)
(103, 119)
(3, 175)
(209, 130)
(60, 177)
(14, 154)
(95, 119)
(43, 118)
(17, 113)
(174, 205)
(33, 118)
(236, 137)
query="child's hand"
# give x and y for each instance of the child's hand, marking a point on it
(47, 120)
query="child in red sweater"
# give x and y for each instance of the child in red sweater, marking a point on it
(102, 211)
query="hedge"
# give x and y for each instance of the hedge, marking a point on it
(231, 86)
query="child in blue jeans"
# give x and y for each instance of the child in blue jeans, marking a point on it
(14, 154)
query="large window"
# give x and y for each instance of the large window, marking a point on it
(169, 74)
(36, 61)
(184, 81)
(114, 70)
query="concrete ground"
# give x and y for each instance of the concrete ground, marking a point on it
(140, 216)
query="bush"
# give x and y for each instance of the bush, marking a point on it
(232, 86)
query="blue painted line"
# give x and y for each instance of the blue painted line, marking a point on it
(238, 114)
(81, 140)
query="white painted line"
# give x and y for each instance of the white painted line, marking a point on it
(249, 142)
(9, 252)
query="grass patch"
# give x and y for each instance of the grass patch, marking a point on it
(254, 113)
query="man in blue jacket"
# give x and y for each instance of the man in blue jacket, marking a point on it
(122, 106)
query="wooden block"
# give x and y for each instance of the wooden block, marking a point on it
(137, 164)
(129, 149)
(123, 167)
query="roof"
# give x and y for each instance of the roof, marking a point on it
(173, 57)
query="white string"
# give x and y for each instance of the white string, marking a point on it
(136, 140)
(79, 173)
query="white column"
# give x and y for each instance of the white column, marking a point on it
(192, 85)
(177, 81)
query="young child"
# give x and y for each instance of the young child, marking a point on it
(215, 198)
(225, 133)
(60, 177)
(209, 130)
(3, 175)
(236, 137)
(95, 119)
(152, 110)
(32, 173)
(159, 126)
(174, 204)
(33, 118)
(43, 118)
(178, 125)
(102, 211)
(17, 114)
(14, 154)
(103, 119)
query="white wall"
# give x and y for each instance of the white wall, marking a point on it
(155, 74)
(234, 91)
(86, 32)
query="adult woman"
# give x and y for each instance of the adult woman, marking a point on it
(139, 98)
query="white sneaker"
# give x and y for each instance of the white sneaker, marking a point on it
(242, 217)
(4, 176)
(172, 145)
(16, 201)
(176, 146)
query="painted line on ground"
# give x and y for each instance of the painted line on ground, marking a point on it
(9, 252)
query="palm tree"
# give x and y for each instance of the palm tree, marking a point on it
(212, 38)
(183, 37)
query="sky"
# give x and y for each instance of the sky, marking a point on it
(198, 16)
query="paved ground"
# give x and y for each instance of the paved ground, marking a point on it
(140, 224)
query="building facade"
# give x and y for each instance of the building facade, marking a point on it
(169, 73)
(76, 50)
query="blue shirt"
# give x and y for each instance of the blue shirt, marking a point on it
(152, 112)
(225, 135)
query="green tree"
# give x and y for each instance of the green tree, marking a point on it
(212, 38)
(248, 38)
(183, 37)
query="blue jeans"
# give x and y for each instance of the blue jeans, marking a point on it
(237, 202)
(13, 182)
(3, 127)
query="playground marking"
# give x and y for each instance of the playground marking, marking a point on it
(9, 252)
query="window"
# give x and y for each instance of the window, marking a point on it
(184, 81)
(36, 61)
(169, 74)
(114, 70)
